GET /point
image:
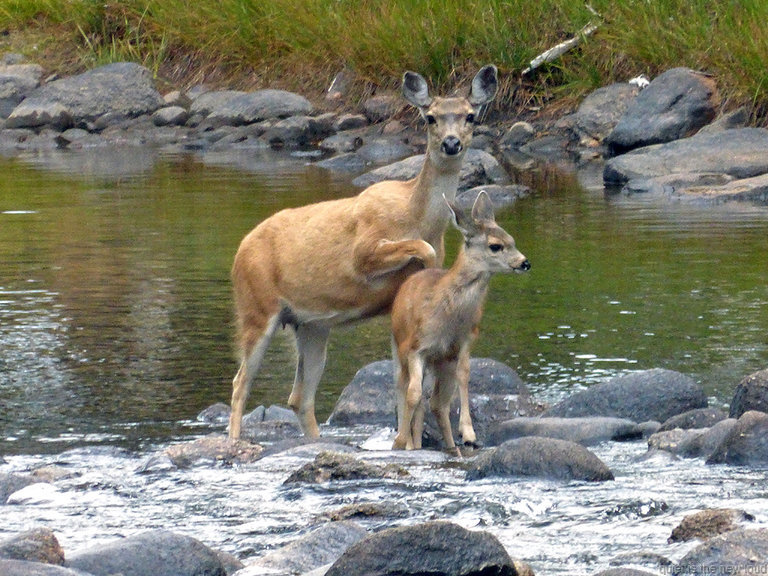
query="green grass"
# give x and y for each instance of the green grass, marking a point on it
(304, 42)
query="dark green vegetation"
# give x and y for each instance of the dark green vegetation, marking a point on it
(301, 44)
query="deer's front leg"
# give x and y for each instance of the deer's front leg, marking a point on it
(466, 430)
(386, 256)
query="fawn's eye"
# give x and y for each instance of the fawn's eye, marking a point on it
(431, 119)
(495, 247)
(470, 118)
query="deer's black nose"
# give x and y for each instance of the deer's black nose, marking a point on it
(526, 265)
(451, 145)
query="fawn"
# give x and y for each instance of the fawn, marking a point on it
(340, 261)
(435, 319)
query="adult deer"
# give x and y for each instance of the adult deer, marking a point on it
(339, 261)
(435, 318)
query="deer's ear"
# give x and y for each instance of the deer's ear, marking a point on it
(482, 209)
(484, 86)
(416, 91)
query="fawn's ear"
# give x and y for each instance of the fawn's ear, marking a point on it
(459, 219)
(484, 86)
(416, 91)
(482, 209)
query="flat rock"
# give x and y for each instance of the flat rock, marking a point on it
(542, 458)
(149, 554)
(739, 153)
(697, 418)
(333, 466)
(743, 551)
(692, 442)
(656, 394)
(709, 523)
(674, 105)
(213, 449)
(25, 568)
(435, 548)
(502, 196)
(123, 89)
(586, 431)
(746, 444)
(235, 109)
(321, 546)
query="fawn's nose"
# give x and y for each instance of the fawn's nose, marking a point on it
(526, 265)
(451, 145)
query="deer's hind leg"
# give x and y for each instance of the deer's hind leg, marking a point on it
(446, 382)
(256, 338)
(410, 411)
(466, 429)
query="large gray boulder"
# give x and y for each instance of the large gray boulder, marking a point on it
(479, 168)
(369, 398)
(655, 394)
(17, 81)
(25, 568)
(750, 394)
(149, 554)
(586, 431)
(439, 548)
(600, 111)
(743, 551)
(739, 153)
(674, 105)
(542, 458)
(746, 444)
(120, 90)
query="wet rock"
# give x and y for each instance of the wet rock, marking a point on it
(738, 153)
(216, 414)
(674, 105)
(213, 449)
(297, 131)
(369, 398)
(10, 483)
(600, 112)
(349, 122)
(381, 107)
(540, 457)
(750, 394)
(386, 510)
(709, 523)
(698, 418)
(479, 168)
(170, 116)
(122, 88)
(16, 82)
(673, 185)
(348, 162)
(430, 548)
(586, 431)
(625, 572)
(502, 196)
(517, 135)
(642, 558)
(754, 190)
(24, 568)
(742, 551)
(318, 548)
(331, 466)
(656, 394)
(38, 545)
(149, 554)
(746, 444)
(270, 431)
(692, 442)
(234, 109)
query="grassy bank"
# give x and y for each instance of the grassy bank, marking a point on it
(300, 44)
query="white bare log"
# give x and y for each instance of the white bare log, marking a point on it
(557, 51)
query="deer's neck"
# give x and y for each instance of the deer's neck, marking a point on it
(436, 180)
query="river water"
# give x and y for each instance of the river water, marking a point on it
(116, 330)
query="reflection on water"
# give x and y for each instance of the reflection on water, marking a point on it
(116, 314)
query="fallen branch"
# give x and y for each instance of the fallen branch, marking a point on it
(557, 51)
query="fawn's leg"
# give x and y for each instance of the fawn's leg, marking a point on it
(403, 438)
(312, 345)
(412, 406)
(466, 430)
(446, 381)
(252, 358)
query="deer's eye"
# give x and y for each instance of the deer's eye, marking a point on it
(470, 118)
(495, 247)
(431, 119)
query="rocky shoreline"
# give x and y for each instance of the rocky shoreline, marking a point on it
(668, 140)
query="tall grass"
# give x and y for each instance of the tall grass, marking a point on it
(305, 41)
